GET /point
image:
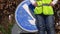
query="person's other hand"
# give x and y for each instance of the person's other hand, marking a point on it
(51, 4)
(35, 4)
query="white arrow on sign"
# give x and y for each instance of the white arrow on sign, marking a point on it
(25, 6)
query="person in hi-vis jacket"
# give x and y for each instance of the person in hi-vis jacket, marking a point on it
(44, 15)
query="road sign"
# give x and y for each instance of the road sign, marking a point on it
(24, 18)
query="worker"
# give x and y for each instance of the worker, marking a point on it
(44, 15)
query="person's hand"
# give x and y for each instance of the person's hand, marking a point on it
(35, 4)
(51, 4)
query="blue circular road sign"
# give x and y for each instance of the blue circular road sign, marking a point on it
(24, 17)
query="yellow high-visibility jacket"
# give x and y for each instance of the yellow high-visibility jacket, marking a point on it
(44, 7)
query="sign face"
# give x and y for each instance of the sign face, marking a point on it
(24, 18)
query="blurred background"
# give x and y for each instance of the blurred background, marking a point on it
(7, 10)
(7, 14)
